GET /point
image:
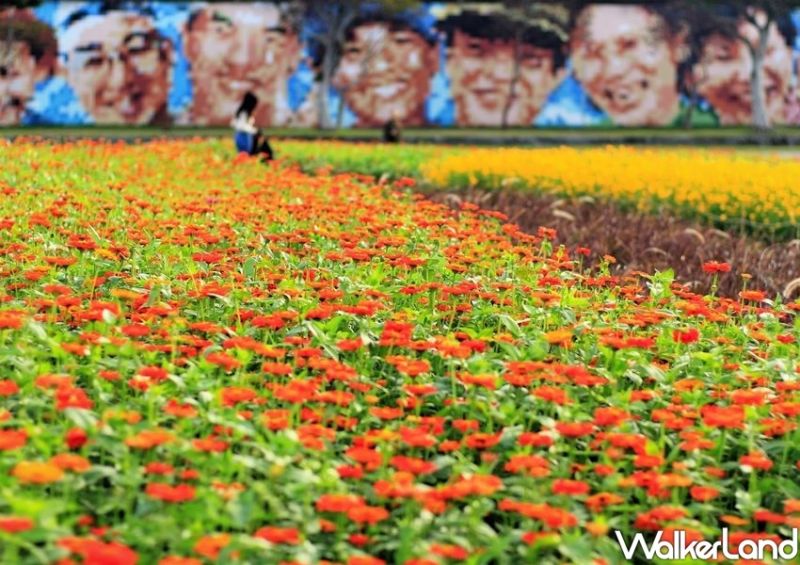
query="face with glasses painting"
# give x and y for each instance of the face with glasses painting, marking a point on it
(239, 48)
(119, 66)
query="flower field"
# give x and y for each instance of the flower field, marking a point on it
(747, 191)
(209, 360)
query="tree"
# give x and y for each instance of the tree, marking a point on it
(329, 20)
(762, 16)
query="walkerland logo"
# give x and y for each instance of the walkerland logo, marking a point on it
(677, 548)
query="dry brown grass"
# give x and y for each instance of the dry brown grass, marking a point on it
(646, 242)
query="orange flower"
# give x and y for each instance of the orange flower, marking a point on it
(338, 502)
(209, 546)
(597, 529)
(598, 501)
(562, 338)
(12, 439)
(37, 472)
(71, 462)
(148, 439)
(178, 560)
(703, 494)
(367, 514)
(733, 520)
(552, 394)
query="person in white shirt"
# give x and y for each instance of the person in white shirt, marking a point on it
(247, 137)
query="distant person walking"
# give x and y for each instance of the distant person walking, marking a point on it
(247, 137)
(391, 129)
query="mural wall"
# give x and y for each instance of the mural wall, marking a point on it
(441, 65)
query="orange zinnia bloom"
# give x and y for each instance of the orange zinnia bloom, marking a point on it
(37, 472)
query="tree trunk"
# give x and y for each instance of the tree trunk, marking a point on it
(340, 111)
(760, 117)
(687, 117)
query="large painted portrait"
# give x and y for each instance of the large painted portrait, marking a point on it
(450, 64)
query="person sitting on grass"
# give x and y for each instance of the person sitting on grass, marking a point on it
(247, 137)
(391, 129)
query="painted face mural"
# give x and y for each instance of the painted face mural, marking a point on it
(118, 65)
(385, 71)
(27, 57)
(469, 64)
(234, 49)
(722, 74)
(627, 58)
(501, 70)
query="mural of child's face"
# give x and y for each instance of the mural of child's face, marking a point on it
(385, 72)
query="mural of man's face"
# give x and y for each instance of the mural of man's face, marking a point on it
(118, 66)
(234, 49)
(386, 72)
(722, 75)
(19, 73)
(482, 72)
(628, 63)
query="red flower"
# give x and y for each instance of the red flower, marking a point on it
(450, 551)
(569, 487)
(688, 336)
(703, 494)
(168, 493)
(358, 540)
(753, 295)
(210, 444)
(723, 416)
(7, 388)
(15, 524)
(756, 460)
(12, 439)
(338, 502)
(716, 267)
(412, 465)
(223, 360)
(273, 534)
(75, 438)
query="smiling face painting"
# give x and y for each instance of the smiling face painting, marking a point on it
(500, 67)
(723, 74)
(385, 72)
(236, 48)
(627, 60)
(27, 56)
(119, 66)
